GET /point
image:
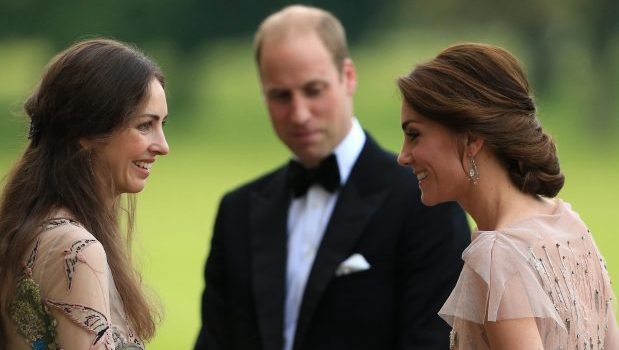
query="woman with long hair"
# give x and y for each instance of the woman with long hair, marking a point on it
(533, 277)
(66, 275)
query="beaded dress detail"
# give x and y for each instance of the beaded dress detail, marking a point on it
(546, 267)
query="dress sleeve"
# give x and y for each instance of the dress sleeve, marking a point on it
(612, 330)
(499, 281)
(75, 290)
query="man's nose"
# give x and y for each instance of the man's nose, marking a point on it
(300, 109)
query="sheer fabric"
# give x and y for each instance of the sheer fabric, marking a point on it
(66, 297)
(546, 267)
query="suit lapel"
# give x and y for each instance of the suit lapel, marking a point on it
(350, 216)
(268, 220)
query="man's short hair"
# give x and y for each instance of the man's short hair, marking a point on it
(300, 19)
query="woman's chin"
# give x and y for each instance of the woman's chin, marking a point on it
(429, 201)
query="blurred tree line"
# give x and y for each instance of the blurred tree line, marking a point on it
(189, 25)
(544, 27)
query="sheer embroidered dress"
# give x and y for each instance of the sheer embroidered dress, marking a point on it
(547, 267)
(66, 298)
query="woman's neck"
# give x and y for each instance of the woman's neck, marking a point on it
(495, 202)
(502, 208)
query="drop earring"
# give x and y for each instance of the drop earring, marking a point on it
(473, 173)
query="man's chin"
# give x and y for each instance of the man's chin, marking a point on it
(311, 159)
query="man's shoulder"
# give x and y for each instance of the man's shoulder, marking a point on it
(257, 184)
(378, 162)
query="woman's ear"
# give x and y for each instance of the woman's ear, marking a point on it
(473, 143)
(86, 143)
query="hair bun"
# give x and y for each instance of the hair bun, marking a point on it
(537, 170)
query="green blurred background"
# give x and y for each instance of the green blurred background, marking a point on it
(219, 131)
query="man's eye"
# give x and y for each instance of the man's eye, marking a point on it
(281, 96)
(313, 92)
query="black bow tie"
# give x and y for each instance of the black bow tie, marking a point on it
(327, 175)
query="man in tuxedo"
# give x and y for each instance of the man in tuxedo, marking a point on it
(333, 250)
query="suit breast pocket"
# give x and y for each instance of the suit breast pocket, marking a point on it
(363, 284)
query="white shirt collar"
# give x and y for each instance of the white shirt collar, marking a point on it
(349, 149)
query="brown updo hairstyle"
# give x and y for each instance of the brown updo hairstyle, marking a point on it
(481, 89)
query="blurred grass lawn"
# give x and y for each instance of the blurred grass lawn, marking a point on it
(228, 140)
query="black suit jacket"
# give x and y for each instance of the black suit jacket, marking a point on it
(414, 252)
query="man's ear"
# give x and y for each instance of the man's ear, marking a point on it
(349, 74)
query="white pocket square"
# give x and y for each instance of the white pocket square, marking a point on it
(354, 263)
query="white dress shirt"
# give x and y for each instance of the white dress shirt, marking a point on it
(308, 216)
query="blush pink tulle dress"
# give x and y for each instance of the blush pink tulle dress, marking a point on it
(546, 267)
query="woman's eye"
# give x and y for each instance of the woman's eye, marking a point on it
(412, 135)
(144, 126)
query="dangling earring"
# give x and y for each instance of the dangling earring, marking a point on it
(473, 172)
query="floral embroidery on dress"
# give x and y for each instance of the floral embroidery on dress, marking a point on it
(32, 315)
(55, 222)
(130, 342)
(29, 264)
(32, 319)
(132, 339)
(73, 255)
(86, 317)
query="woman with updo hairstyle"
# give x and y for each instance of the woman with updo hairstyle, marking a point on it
(533, 277)
(67, 279)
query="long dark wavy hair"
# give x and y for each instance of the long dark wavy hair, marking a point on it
(87, 91)
(482, 89)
